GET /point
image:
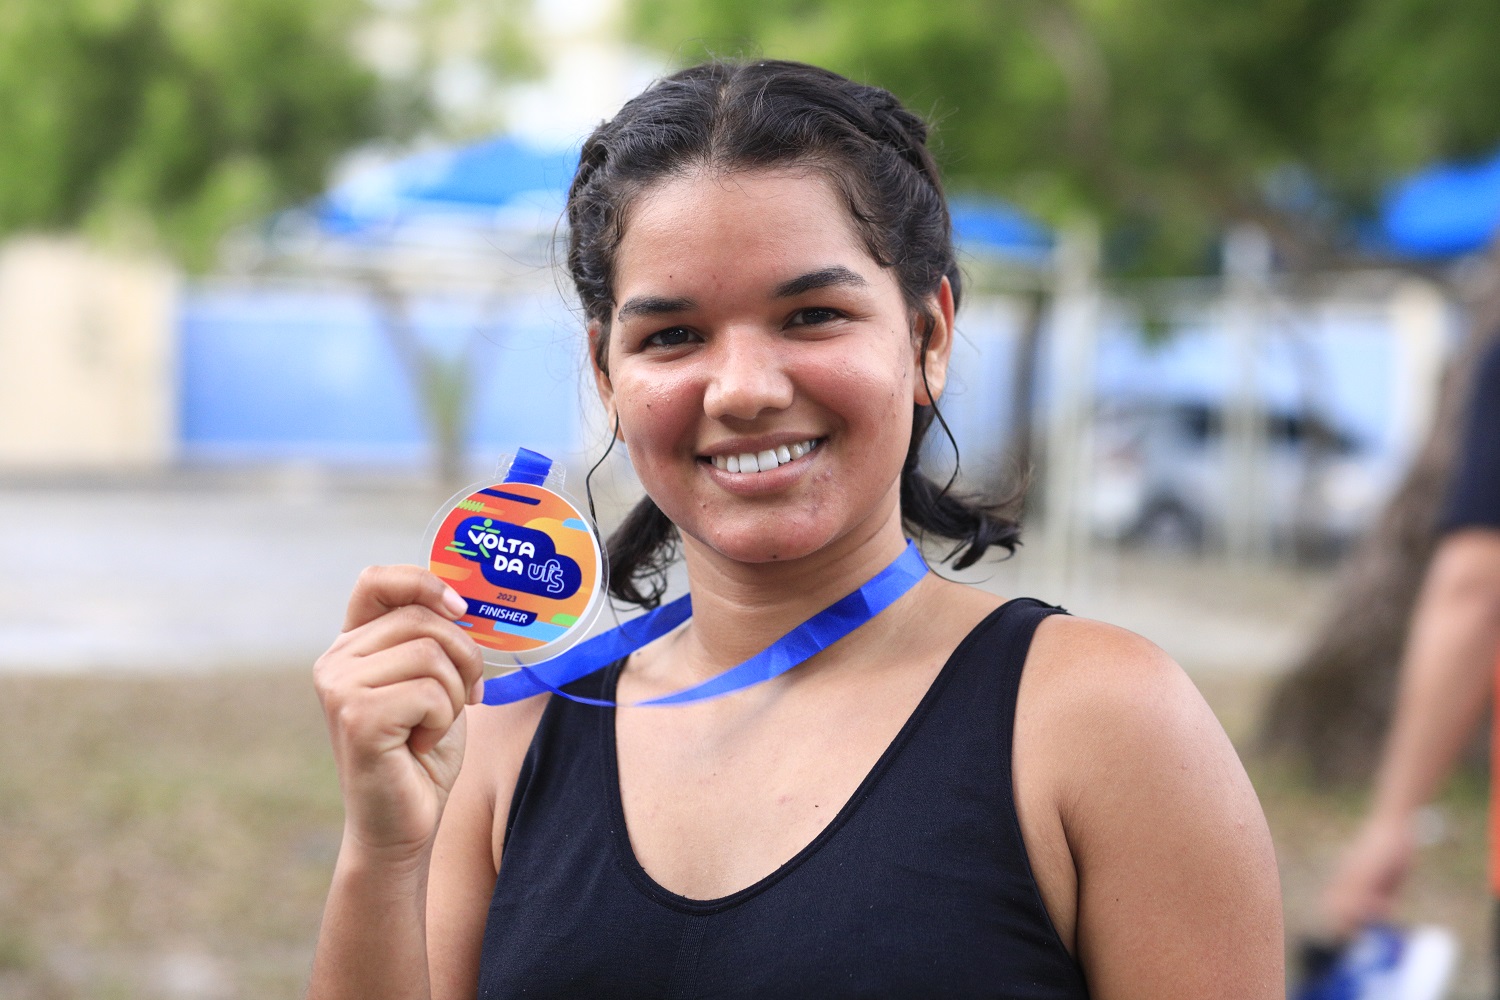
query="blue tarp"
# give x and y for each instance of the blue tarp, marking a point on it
(1443, 211)
(477, 180)
(272, 374)
(990, 226)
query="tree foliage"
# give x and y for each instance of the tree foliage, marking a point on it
(1166, 118)
(169, 120)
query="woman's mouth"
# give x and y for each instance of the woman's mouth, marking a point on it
(764, 461)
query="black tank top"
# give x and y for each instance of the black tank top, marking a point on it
(919, 887)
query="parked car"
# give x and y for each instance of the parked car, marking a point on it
(1162, 476)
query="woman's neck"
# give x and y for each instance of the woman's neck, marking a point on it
(741, 608)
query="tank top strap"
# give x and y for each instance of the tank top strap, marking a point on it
(566, 750)
(989, 661)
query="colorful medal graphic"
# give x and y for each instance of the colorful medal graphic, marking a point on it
(526, 560)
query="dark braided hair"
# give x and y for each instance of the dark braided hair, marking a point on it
(764, 114)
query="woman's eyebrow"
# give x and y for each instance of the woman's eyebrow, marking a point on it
(826, 277)
(813, 280)
(653, 305)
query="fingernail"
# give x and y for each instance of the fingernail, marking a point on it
(456, 605)
(476, 693)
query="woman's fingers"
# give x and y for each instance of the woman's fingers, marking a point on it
(1369, 878)
(380, 719)
(422, 658)
(405, 625)
(381, 589)
(416, 713)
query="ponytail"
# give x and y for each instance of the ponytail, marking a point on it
(641, 550)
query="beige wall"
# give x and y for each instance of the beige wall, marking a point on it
(87, 357)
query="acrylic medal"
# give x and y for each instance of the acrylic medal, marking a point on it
(524, 557)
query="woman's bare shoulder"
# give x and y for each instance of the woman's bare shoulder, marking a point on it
(1081, 670)
(1163, 826)
(1103, 702)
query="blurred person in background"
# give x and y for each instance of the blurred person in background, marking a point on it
(764, 257)
(1445, 681)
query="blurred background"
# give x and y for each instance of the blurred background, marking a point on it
(277, 276)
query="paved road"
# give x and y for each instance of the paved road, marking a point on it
(194, 573)
(223, 571)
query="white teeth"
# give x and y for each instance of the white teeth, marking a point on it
(764, 461)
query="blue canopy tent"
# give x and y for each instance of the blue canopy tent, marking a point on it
(494, 182)
(1443, 211)
(309, 370)
(988, 226)
(503, 181)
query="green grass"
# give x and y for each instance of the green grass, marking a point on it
(174, 838)
(152, 825)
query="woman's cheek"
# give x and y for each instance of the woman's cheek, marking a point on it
(658, 418)
(874, 396)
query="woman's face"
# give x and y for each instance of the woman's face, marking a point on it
(762, 365)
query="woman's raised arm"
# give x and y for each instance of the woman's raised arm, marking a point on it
(393, 687)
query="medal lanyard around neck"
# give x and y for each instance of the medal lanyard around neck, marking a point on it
(797, 646)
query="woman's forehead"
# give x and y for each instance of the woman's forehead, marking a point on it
(716, 226)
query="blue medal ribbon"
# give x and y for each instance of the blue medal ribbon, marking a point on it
(529, 467)
(797, 646)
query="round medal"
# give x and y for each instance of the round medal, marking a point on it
(525, 558)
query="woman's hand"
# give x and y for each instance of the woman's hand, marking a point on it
(1370, 876)
(393, 687)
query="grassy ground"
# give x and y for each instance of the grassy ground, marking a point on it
(162, 838)
(173, 838)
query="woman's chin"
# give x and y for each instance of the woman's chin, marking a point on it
(768, 543)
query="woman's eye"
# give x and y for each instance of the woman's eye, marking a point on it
(815, 316)
(673, 337)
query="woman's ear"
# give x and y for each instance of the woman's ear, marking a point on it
(935, 348)
(599, 348)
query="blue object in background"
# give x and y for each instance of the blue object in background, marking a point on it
(991, 226)
(1381, 962)
(476, 180)
(1356, 368)
(276, 374)
(501, 173)
(1443, 211)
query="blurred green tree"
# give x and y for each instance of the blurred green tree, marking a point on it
(1166, 119)
(165, 122)
(1172, 121)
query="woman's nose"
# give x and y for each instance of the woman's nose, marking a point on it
(749, 377)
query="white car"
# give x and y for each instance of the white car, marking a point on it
(1162, 476)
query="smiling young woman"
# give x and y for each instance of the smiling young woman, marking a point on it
(963, 797)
